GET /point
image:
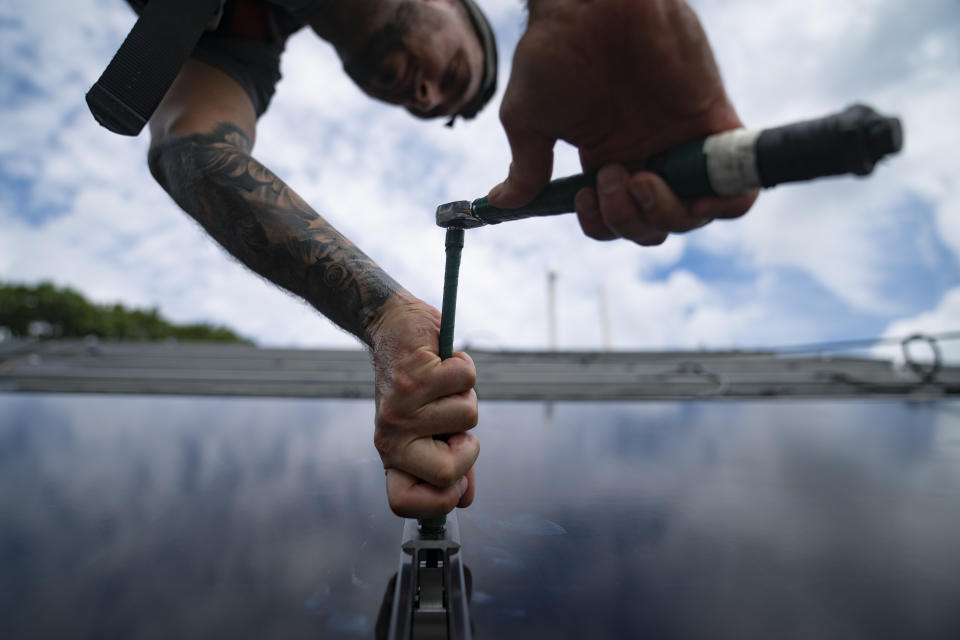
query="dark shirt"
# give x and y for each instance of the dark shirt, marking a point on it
(247, 45)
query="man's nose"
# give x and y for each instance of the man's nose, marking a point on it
(427, 95)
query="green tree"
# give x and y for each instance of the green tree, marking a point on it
(65, 313)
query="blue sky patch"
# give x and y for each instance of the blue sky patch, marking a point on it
(919, 267)
(20, 197)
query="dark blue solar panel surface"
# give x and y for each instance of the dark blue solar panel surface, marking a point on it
(165, 517)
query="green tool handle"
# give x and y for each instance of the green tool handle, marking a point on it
(448, 314)
(451, 275)
(851, 141)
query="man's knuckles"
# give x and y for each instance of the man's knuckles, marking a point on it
(444, 474)
(450, 461)
(399, 505)
(470, 415)
(465, 369)
(406, 384)
(386, 445)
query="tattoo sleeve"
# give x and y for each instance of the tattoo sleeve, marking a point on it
(268, 227)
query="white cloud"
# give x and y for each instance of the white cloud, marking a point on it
(819, 56)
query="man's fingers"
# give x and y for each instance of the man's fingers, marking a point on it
(434, 399)
(456, 374)
(424, 378)
(663, 210)
(588, 214)
(671, 214)
(530, 169)
(622, 212)
(411, 498)
(439, 462)
(396, 430)
(733, 207)
(467, 498)
(644, 209)
(452, 414)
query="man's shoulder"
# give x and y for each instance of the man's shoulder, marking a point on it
(258, 20)
(247, 45)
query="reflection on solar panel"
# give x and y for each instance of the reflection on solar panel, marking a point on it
(198, 517)
(778, 503)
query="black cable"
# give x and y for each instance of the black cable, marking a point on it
(929, 373)
(847, 345)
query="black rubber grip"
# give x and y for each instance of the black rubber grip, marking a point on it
(851, 141)
(147, 62)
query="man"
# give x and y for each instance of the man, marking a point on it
(620, 79)
(425, 55)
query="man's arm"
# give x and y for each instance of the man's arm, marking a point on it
(202, 135)
(620, 80)
(265, 224)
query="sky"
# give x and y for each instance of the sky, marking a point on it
(837, 259)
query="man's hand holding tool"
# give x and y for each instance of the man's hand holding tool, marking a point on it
(620, 80)
(725, 164)
(419, 396)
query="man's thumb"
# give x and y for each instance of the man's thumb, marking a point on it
(529, 172)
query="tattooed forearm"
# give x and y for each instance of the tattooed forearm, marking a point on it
(267, 226)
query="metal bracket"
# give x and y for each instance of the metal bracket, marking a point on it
(430, 598)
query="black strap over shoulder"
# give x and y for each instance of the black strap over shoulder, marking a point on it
(148, 61)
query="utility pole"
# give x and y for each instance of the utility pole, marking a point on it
(605, 320)
(552, 307)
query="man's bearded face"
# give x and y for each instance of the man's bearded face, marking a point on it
(427, 58)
